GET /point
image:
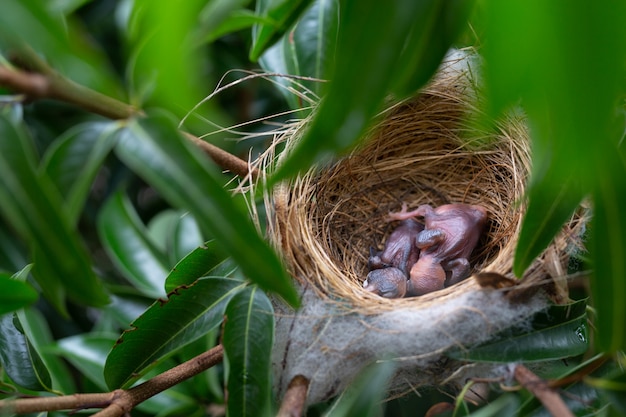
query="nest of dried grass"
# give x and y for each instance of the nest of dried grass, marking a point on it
(423, 151)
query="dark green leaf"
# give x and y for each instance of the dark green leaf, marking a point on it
(281, 14)
(248, 340)
(33, 206)
(128, 244)
(238, 20)
(365, 396)
(363, 70)
(203, 261)
(189, 312)
(154, 149)
(14, 293)
(18, 357)
(220, 17)
(559, 333)
(73, 160)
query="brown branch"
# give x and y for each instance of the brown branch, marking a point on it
(295, 397)
(46, 83)
(541, 389)
(118, 402)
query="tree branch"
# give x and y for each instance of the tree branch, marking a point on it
(46, 83)
(295, 397)
(118, 402)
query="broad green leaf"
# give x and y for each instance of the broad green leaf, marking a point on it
(34, 208)
(281, 14)
(549, 207)
(305, 50)
(506, 405)
(128, 244)
(18, 357)
(203, 261)
(39, 337)
(608, 246)
(559, 333)
(363, 70)
(189, 312)
(74, 159)
(437, 24)
(248, 340)
(15, 294)
(156, 151)
(365, 396)
(238, 20)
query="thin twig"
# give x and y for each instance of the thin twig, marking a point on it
(46, 83)
(295, 397)
(540, 389)
(118, 402)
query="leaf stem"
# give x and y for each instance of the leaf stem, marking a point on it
(295, 397)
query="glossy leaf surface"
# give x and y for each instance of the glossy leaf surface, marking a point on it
(279, 15)
(189, 313)
(154, 149)
(203, 261)
(18, 357)
(248, 340)
(559, 333)
(128, 244)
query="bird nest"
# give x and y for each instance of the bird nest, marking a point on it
(425, 150)
(422, 151)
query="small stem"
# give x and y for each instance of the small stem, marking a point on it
(295, 397)
(540, 389)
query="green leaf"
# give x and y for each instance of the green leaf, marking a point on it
(305, 50)
(74, 159)
(40, 339)
(203, 261)
(220, 17)
(156, 151)
(15, 294)
(549, 207)
(281, 14)
(189, 312)
(18, 357)
(559, 333)
(365, 64)
(33, 206)
(248, 340)
(365, 396)
(608, 246)
(186, 236)
(238, 20)
(129, 246)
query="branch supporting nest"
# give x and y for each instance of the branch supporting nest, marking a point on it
(48, 84)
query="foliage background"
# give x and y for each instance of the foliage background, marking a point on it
(98, 210)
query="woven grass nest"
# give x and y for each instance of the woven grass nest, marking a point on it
(421, 151)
